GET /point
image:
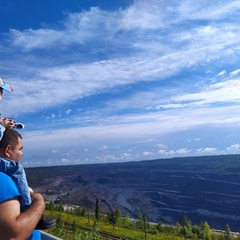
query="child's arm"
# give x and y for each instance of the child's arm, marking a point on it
(7, 123)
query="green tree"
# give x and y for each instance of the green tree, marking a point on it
(145, 223)
(186, 229)
(61, 207)
(84, 212)
(160, 227)
(126, 221)
(170, 230)
(78, 211)
(50, 206)
(227, 233)
(178, 228)
(97, 209)
(112, 217)
(118, 215)
(205, 232)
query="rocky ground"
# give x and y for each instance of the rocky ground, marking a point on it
(163, 190)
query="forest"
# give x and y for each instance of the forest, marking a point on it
(78, 223)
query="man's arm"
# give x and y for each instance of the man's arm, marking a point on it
(16, 225)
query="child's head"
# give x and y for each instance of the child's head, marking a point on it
(4, 86)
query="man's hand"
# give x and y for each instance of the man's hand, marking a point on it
(37, 198)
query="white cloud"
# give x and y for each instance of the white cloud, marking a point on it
(89, 78)
(222, 73)
(234, 148)
(171, 152)
(68, 111)
(152, 16)
(30, 39)
(130, 127)
(65, 161)
(160, 145)
(146, 153)
(206, 150)
(148, 140)
(54, 151)
(236, 72)
(107, 158)
(164, 152)
(103, 148)
(183, 151)
(161, 151)
(126, 156)
(207, 9)
(197, 139)
(227, 91)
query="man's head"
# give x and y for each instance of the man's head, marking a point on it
(11, 145)
(4, 86)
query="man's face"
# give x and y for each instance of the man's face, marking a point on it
(16, 153)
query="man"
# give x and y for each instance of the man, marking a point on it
(15, 224)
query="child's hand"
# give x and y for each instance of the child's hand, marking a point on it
(7, 123)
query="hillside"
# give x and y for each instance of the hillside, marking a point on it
(202, 188)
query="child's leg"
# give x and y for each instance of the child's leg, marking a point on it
(20, 179)
(17, 173)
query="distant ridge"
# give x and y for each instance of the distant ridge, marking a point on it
(228, 157)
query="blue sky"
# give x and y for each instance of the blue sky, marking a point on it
(115, 81)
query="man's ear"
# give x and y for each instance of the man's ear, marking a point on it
(7, 151)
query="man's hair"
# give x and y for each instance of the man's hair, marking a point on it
(10, 137)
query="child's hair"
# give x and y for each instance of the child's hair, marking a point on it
(10, 137)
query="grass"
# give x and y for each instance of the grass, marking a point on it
(102, 225)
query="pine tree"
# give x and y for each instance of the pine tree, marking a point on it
(186, 227)
(205, 232)
(227, 233)
(112, 218)
(97, 209)
(160, 227)
(145, 225)
(118, 215)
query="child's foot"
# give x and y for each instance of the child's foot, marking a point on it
(45, 223)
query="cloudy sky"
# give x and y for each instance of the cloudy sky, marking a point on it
(113, 81)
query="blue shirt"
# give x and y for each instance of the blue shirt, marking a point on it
(8, 190)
